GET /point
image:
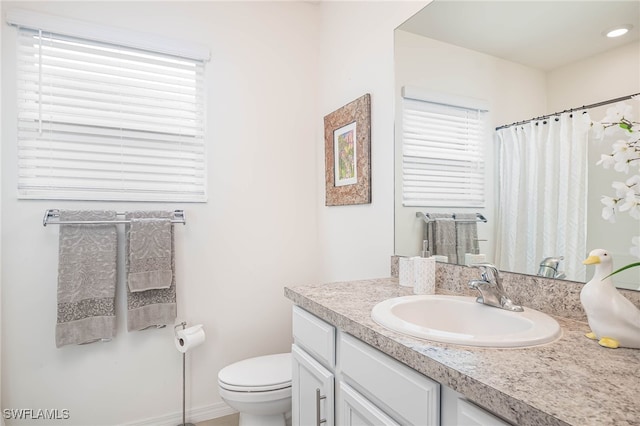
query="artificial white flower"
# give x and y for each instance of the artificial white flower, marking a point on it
(617, 112)
(609, 211)
(606, 161)
(621, 166)
(631, 204)
(622, 153)
(621, 189)
(623, 150)
(634, 182)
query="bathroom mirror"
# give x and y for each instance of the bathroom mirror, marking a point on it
(526, 59)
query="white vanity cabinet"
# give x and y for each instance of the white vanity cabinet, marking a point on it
(313, 380)
(338, 379)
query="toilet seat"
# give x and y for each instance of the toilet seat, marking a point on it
(260, 374)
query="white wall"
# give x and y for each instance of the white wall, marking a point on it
(257, 233)
(356, 57)
(512, 90)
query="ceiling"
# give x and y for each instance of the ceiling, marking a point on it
(540, 34)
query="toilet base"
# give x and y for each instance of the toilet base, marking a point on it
(247, 419)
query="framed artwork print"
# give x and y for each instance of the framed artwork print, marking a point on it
(347, 134)
(345, 153)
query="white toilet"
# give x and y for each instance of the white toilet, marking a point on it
(259, 388)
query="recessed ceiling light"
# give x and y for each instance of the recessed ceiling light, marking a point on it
(617, 31)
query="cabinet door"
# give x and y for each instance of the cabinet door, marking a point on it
(355, 410)
(470, 415)
(312, 391)
(404, 394)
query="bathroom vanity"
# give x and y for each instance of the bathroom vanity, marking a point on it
(350, 370)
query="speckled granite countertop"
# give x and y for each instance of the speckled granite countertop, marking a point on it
(571, 381)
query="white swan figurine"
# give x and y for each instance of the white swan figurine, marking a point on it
(613, 319)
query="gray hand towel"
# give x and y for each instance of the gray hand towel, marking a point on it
(442, 236)
(86, 279)
(150, 250)
(466, 234)
(156, 307)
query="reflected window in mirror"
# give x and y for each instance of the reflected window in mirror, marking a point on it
(443, 140)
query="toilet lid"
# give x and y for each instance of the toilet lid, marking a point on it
(262, 373)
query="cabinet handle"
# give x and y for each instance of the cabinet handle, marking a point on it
(319, 398)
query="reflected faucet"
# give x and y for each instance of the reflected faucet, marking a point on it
(549, 268)
(491, 290)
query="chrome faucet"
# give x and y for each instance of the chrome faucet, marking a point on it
(549, 268)
(491, 290)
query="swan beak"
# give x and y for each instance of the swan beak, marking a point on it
(591, 260)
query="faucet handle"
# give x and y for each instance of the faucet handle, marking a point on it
(492, 294)
(490, 273)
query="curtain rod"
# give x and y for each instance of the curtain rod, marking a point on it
(610, 101)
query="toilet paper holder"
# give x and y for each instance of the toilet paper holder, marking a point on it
(183, 324)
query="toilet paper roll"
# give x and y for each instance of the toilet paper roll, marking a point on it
(189, 338)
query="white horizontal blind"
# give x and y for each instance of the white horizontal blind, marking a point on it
(442, 155)
(97, 121)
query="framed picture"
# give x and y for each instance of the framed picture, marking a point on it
(345, 151)
(347, 134)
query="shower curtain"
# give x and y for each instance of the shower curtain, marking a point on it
(542, 194)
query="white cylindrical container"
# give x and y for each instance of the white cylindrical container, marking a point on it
(406, 271)
(425, 275)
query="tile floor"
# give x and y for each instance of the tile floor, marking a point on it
(231, 420)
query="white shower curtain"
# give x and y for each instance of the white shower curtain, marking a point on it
(542, 194)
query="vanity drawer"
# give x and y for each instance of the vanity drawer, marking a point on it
(404, 394)
(315, 336)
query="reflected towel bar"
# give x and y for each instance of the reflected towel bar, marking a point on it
(429, 219)
(51, 217)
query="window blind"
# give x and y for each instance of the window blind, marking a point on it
(98, 121)
(442, 156)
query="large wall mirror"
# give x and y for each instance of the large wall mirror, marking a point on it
(524, 59)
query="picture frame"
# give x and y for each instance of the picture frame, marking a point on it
(347, 134)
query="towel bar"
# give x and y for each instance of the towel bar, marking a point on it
(429, 219)
(50, 216)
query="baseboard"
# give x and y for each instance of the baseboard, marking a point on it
(194, 415)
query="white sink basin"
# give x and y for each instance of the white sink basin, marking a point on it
(461, 320)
